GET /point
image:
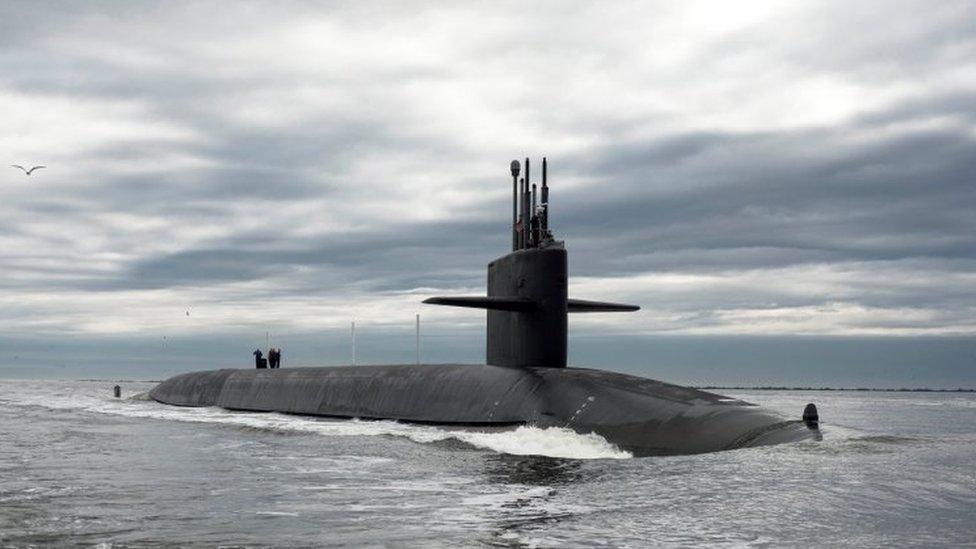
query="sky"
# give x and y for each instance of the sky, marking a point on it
(758, 176)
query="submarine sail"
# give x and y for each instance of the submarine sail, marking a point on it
(525, 380)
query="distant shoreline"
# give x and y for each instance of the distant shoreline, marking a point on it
(861, 389)
(701, 387)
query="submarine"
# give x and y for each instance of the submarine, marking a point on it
(525, 379)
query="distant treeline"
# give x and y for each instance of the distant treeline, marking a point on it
(874, 389)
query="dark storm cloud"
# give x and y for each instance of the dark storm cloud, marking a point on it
(874, 202)
(336, 149)
(432, 255)
(801, 196)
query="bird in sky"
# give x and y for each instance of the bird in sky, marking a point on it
(26, 171)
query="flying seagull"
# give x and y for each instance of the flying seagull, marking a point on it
(28, 172)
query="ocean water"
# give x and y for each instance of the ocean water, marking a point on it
(78, 467)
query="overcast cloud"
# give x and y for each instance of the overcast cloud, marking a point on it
(735, 168)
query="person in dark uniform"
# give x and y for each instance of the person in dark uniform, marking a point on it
(259, 361)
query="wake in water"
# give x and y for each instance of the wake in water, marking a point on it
(80, 467)
(523, 440)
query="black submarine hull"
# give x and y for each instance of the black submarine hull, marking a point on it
(526, 382)
(643, 416)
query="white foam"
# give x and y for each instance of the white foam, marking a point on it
(524, 440)
(550, 441)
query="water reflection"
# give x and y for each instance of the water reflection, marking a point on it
(533, 470)
(528, 505)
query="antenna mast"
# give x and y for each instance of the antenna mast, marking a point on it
(545, 200)
(530, 222)
(526, 216)
(515, 172)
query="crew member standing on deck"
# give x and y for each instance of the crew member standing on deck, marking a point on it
(259, 361)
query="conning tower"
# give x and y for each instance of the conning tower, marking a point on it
(527, 300)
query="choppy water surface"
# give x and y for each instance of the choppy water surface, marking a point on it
(79, 467)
